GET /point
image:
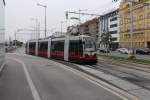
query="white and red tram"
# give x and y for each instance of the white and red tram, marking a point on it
(79, 49)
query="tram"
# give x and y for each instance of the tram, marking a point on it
(79, 49)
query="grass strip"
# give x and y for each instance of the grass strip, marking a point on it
(138, 61)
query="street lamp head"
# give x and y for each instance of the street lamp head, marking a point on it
(41, 5)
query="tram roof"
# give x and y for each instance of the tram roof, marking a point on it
(60, 37)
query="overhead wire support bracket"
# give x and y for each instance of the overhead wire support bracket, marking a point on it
(83, 13)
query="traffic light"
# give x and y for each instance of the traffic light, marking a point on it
(66, 14)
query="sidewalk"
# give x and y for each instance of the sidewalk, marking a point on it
(122, 84)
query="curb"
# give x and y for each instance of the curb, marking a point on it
(117, 91)
(111, 86)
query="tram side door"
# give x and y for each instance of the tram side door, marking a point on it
(49, 48)
(66, 49)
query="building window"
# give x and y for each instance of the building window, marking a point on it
(113, 32)
(121, 22)
(148, 6)
(148, 15)
(114, 39)
(141, 17)
(113, 19)
(113, 25)
(148, 25)
(134, 18)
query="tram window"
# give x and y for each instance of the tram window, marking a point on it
(43, 46)
(75, 47)
(57, 46)
(32, 46)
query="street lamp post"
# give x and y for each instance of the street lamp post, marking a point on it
(45, 16)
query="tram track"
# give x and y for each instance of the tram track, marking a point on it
(75, 66)
(127, 76)
(113, 69)
(127, 65)
(140, 67)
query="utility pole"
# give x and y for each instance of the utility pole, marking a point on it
(132, 53)
(38, 34)
(131, 29)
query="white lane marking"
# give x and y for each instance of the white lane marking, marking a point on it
(35, 94)
(2, 67)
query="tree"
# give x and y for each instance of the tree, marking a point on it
(106, 40)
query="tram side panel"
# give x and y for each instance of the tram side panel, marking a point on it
(49, 48)
(76, 51)
(57, 49)
(32, 48)
(66, 47)
(42, 49)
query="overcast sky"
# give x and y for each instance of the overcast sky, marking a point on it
(20, 12)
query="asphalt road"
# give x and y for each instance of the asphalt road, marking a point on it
(33, 78)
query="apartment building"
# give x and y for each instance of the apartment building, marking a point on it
(91, 28)
(109, 22)
(141, 24)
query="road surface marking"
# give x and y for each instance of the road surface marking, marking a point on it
(35, 94)
(2, 67)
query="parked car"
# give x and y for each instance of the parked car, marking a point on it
(143, 51)
(103, 50)
(123, 50)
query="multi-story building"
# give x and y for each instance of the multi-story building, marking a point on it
(90, 28)
(109, 23)
(141, 24)
(2, 32)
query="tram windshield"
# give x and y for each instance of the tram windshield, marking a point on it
(89, 44)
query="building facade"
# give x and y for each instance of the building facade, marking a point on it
(109, 23)
(141, 24)
(2, 32)
(91, 28)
